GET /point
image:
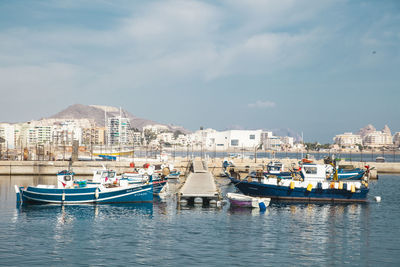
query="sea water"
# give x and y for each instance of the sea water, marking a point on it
(162, 234)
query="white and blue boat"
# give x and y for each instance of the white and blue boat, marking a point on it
(310, 185)
(70, 191)
(144, 176)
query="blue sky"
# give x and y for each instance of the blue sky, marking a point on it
(318, 67)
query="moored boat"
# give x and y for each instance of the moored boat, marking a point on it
(241, 200)
(68, 191)
(346, 174)
(159, 180)
(310, 185)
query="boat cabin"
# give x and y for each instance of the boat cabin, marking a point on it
(102, 176)
(65, 179)
(275, 167)
(313, 171)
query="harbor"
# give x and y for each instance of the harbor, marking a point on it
(86, 168)
(199, 133)
(210, 203)
(82, 233)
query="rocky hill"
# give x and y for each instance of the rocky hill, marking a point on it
(367, 130)
(97, 113)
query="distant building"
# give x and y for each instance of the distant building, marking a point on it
(118, 131)
(348, 140)
(156, 128)
(396, 139)
(287, 141)
(93, 136)
(215, 140)
(269, 141)
(136, 138)
(165, 137)
(7, 132)
(378, 139)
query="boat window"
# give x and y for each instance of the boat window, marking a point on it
(98, 172)
(310, 170)
(111, 174)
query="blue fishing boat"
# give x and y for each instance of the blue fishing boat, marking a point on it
(70, 191)
(310, 185)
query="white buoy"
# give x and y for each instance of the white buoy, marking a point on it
(183, 202)
(378, 198)
(198, 200)
(213, 202)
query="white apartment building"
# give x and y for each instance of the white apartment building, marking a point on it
(7, 133)
(136, 138)
(165, 137)
(396, 139)
(212, 139)
(378, 139)
(272, 142)
(288, 141)
(348, 140)
(118, 131)
(156, 128)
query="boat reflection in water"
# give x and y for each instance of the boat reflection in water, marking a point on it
(66, 214)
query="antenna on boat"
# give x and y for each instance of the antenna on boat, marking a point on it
(302, 142)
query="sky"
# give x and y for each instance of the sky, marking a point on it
(317, 67)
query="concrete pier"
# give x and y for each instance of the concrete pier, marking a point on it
(200, 183)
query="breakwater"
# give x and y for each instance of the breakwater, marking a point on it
(215, 166)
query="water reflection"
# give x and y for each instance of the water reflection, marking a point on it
(66, 214)
(232, 210)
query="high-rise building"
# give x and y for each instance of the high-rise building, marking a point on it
(118, 131)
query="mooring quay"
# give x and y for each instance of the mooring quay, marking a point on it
(199, 186)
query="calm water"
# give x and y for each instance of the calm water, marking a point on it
(159, 234)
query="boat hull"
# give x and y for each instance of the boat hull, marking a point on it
(351, 175)
(302, 194)
(157, 184)
(35, 195)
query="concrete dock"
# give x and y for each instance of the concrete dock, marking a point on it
(199, 186)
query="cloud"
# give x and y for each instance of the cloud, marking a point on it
(125, 48)
(262, 104)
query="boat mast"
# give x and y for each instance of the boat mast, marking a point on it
(105, 126)
(302, 142)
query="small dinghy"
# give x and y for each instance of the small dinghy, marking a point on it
(241, 200)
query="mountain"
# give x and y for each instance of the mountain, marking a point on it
(287, 132)
(97, 114)
(386, 130)
(366, 130)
